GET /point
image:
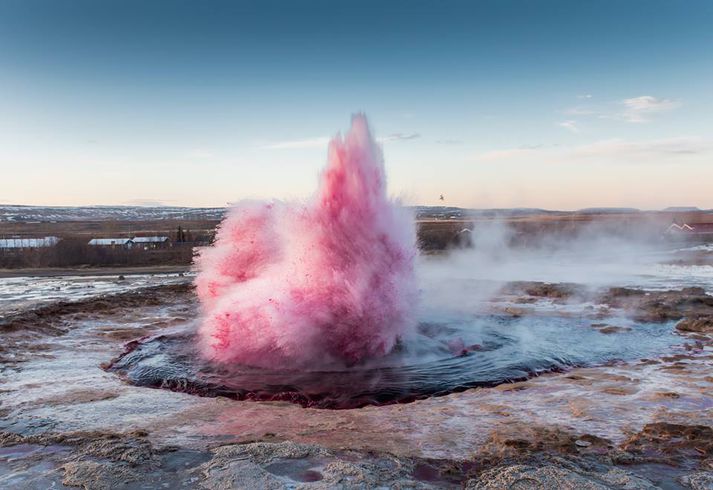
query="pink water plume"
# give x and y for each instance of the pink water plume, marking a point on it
(308, 284)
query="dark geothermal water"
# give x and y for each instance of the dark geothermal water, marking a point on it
(440, 358)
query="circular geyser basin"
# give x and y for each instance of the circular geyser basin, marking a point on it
(441, 358)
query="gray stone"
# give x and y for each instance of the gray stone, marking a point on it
(525, 477)
(703, 480)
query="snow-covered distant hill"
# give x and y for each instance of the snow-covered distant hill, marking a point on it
(103, 213)
(149, 213)
(449, 212)
(145, 213)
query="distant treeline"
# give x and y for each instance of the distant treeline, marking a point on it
(433, 236)
(75, 252)
(440, 235)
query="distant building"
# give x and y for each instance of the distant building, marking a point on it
(676, 228)
(111, 242)
(143, 242)
(149, 242)
(464, 238)
(26, 243)
(695, 229)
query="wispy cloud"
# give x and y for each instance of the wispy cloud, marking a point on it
(641, 109)
(399, 137)
(584, 96)
(650, 148)
(319, 142)
(634, 110)
(617, 150)
(569, 126)
(580, 111)
(449, 142)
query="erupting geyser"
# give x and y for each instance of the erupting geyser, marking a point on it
(330, 280)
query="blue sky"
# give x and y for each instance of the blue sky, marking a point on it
(555, 104)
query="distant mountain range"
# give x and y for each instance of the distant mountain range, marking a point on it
(149, 213)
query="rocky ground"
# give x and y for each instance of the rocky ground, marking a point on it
(65, 422)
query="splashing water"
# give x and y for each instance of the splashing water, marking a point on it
(302, 285)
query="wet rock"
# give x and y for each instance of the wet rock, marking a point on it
(609, 329)
(265, 452)
(10, 439)
(621, 297)
(618, 478)
(514, 311)
(292, 465)
(619, 390)
(92, 475)
(57, 318)
(557, 291)
(132, 448)
(664, 395)
(79, 396)
(93, 460)
(703, 324)
(649, 362)
(548, 290)
(245, 465)
(516, 441)
(672, 440)
(225, 474)
(344, 474)
(549, 476)
(702, 480)
(660, 306)
(129, 449)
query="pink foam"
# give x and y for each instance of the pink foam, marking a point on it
(300, 285)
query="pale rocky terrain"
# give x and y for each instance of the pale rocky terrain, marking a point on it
(67, 422)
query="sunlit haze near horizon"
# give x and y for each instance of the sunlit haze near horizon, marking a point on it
(549, 104)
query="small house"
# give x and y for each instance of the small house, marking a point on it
(152, 242)
(126, 243)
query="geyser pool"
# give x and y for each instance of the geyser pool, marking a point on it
(315, 303)
(450, 355)
(304, 284)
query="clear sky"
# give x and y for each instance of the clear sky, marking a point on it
(556, 104)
